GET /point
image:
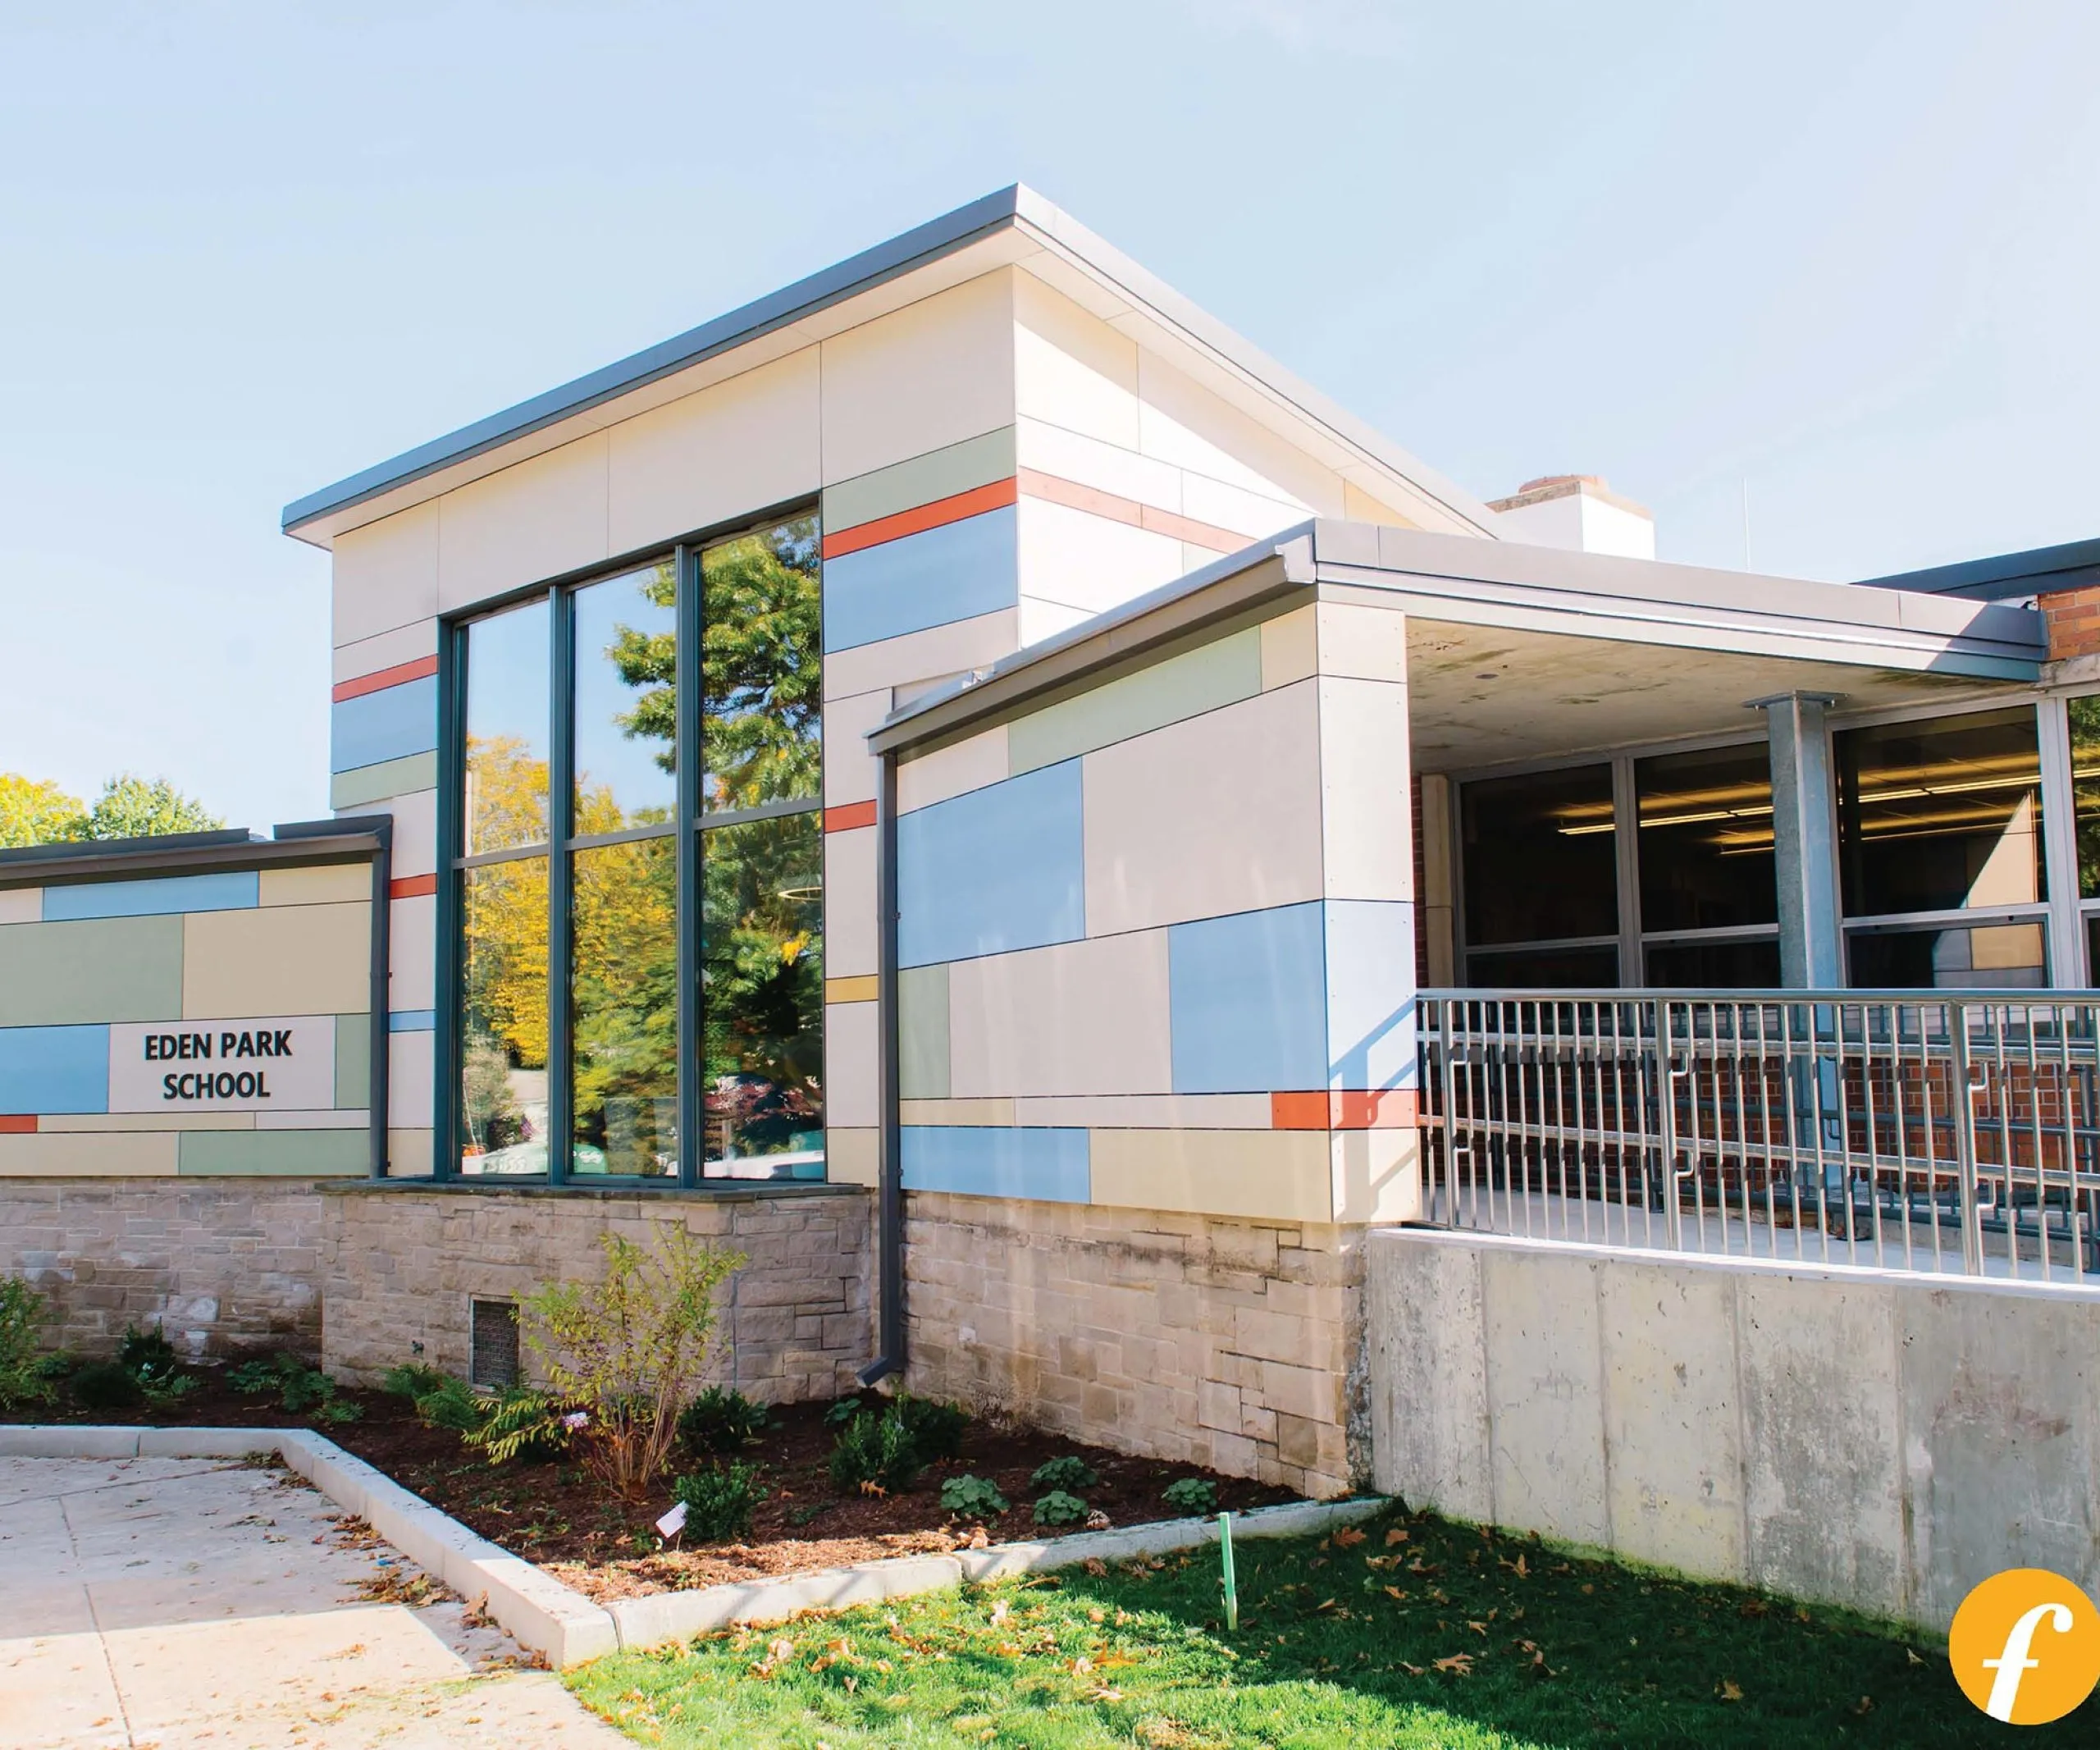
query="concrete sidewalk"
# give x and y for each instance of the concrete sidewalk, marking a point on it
(163, 1604)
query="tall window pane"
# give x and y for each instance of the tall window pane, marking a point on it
(503, 1020)
(2085, 716)
(626, 701)
(1941, 814)
(1706, 840)
(623, 1005)
(1541, 857)
(762, 668)
(506, 755)
(762, 997)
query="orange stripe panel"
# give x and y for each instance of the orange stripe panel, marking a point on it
(1345, 1109)
(381, 679)
(1298, 1112)
(412, 886)
(1095, 502)
(976, 502)
(17, 1125)
(848, 815)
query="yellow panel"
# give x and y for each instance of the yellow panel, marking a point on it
(408, 1153)
(852, 1157)
(863, 990)
(321, 884)
(1273, 1175)
(1000, 1111)
(285, 960)
(114, 1154)
(1290, 649)
(145, 1120)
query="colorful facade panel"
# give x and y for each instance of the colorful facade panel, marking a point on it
(992, 871)
(1047, 1166)
(388, 723)
(952, 572)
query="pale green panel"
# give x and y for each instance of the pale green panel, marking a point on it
(1214, 674)
(376, 784)
(274, 1153)
(938, 474)
(352, 1062)
(97, 969)
(922, 1033)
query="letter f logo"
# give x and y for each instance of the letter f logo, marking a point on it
(2013, 1662)
(1991, 1645)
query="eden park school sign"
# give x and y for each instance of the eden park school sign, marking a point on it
(279, 1063)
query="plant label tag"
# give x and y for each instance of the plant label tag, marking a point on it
(673, 1522)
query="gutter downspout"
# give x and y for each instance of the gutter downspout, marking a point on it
(889, 1214)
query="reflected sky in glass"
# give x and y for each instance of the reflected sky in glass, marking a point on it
(626, 692)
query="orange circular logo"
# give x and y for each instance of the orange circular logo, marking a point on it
(2025, 1645)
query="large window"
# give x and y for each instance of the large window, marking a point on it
(1710, 912)
(603, 820)
(1541, 879)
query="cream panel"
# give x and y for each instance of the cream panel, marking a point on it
(1085, 561)
(920, 656)
(1376, 1175)
(115, 1154)
(1369, 827)
(1290, 649)
(386, 575)
(1362, 643)
(102, 1122)
(289, 960)
(849, 769)
(1070, 368)
(410, 1151)
(1045, 619)
(1106, 468)
(21, 905)
(1147, 1111)
(849, 1066)
(333, 1118)
(951, 770)
(412, 949)
(850, 947)
(1223, 506)
(1215, 814)
(388, 649)
(735, 448)
(320, 885)
(1281, 1175)
(1193, 429)
(852, 1157)
(528, 522)
(994, 1112)
(1359, 506)
(924, 376)
(1082, 1017)
(411, 1078)
(415, 834)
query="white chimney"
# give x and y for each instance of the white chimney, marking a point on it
(1578, 511)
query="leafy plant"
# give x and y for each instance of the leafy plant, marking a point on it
(1192, 1495)
(721, 1419)
(412, 1380)
(631, 1349)
(874, 1454)
(522, 1422)
(971, 1498)
(165, 1393)
(251, 1378)
(148, 1356)
(842, 1412)
(452, 1403)
(107, 1385)
(1067, 1473)
(301, 1389)
(936, 1428)
(22, 1379)
(338, 1409)
(1057, 1508)
(720, 1502)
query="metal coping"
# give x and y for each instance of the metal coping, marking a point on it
(352, 838)
(2038, 571)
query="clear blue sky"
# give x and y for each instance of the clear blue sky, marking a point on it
(1849, 252)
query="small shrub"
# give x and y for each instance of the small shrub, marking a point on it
(971, 1498)
(165, 1393)
(1067, 1475)
(874, 1454)
(107, 1385)
(1057, 1508)
(339, 1409)
(935, 1428)
(301, 1389)
(721, 1420)
(720, 1502)
(1192, 1495)
(842, 1412)
(148, 1356)
(453, 1404)
(23, 1377)
(412, 1380)
(252, 1378)
(524, 1422)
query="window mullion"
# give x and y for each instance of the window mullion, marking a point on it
(561, 812)
(685, 741)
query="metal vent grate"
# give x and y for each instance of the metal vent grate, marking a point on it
(494, 1361)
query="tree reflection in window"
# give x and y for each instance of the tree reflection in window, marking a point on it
(762, 668)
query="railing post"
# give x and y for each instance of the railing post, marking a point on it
(1666, 1096)
(1965, 1139)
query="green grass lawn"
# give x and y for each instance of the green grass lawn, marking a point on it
(1424, 1633)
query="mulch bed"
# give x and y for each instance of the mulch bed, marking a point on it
(556, 1514)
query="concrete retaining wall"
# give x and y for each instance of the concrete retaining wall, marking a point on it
(1871, 1438)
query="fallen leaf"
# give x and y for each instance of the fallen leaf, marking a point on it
(1479, 1629)
(1911, 1654)
(1348, 1538)
(1865, 1705)
(1095, 1566)
(1459, 1664)
(1395, 1592)
(1081, 1665)
(1412, 1670)
(1106, 1695)
(1730, 1690)
(1396, 1535)
(1324, 1604)
(1000, 1612)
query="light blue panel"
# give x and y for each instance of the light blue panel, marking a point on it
(1371, 1012)
(412, 1020)
(235, 891)
(991, 870)
(54, 1069)
(1050, 1166)
(1248, 1002)
(955, 572)
(390, 725)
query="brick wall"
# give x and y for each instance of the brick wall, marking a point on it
(2072, 616)
(224, 1266)
(400, 1266)
(1194, 1339)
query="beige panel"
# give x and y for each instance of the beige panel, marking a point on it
(1291, 648)
(1369, 825)
(333, 1118)
(415, 834)
(1082, 1017)
(1362, 643)
(97, 1154)
(730, 449)
(995, 1112)
(849, 769)
(411, 1079)
(1082, 561)
(952, 770)
(1045, 619)
(385, 575)
(1070, 368)
(850, 1064)
(1088, 462)
(409, 1153)
(21, 905)
(1376, 1175)
(920, 657)
(534, 520)
(1147, 1111)
(1276, 1175)
(922, 378)
(850, 949)
(1191, 428)
(73, 1121)
(386, 650)
(852, 1157)
(1359, 506)
(1217, 815)
(1253, 515)
(324, 884)
(412, 950)
(1435, 896)
(291, 960)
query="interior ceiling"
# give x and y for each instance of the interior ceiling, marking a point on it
(1488, 696)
